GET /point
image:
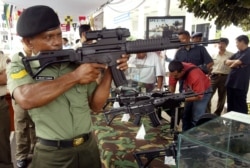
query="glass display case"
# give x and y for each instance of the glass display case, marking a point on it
(138, 77)
(223, 142)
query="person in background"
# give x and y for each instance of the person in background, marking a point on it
(237, 82)
(163, 57)
(193, 79)
(195, 54)
(24, 128)
(79, 42)
(149, 70)
(5, 152)
(196, 37)
(60, 104)
(219, 75)
(82, 33)
(66, 44)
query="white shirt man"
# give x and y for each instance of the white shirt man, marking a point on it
(219, 75)
(148, 68)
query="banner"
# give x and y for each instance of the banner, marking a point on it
(68, 20)
(8, 10)
(82, 20)
(65, 27)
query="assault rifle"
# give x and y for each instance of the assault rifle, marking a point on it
(148, 106)
(109, 46)
(126, 98)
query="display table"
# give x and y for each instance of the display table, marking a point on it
(117, 142)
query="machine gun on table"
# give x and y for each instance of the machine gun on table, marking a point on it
(238, 145)
(109, 46)
(148, 105)
(125, 96)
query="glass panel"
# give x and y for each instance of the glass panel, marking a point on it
(222, 142)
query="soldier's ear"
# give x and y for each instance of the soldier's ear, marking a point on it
(27, 41)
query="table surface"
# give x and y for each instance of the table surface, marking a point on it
(117, 142)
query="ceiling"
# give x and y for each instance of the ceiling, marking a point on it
(73, 8)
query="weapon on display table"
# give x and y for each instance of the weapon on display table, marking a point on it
(125, 96)
(150, 155)
(109, 46)
(238, 145)
(146, 105)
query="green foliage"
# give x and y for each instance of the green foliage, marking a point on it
(218, 34)
(225, 12)
(248, 35)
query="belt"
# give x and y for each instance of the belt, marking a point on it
(66, 143)
(219, 74)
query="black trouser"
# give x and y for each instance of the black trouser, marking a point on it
(236, 100)
(218, 83)
(5, 153)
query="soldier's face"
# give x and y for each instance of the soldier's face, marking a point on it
(48, 40)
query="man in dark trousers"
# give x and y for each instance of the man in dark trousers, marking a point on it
(219, 75)
(5, 153)
(195, 54)
(59, 102)
(238, 79)
(193, 78)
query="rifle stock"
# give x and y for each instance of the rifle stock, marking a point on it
(110, 45)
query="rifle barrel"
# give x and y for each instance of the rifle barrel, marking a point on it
(159, 44)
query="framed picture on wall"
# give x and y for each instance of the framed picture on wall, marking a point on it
(164, 26)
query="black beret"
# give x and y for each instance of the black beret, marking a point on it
(35, 20)
(197, 34)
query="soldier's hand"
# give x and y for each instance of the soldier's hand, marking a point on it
(122, 62)
(88, 72)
